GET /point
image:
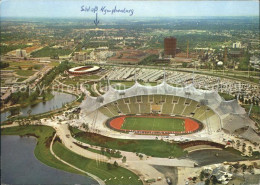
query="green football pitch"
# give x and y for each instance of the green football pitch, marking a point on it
(154, 124)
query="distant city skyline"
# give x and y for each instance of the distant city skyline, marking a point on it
(67, 8)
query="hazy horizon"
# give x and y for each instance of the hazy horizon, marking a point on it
(141, 9)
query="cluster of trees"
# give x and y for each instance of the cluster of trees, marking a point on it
(140, 156)
(244, 62)
(27, 96)
(15, 111)
(6, 49)
(48, 78)
(112, 166)
(4, 65)
(148, 60)
(111, 152)
(85, 126)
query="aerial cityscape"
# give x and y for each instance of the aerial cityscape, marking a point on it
(130, 92)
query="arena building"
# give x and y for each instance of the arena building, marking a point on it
(83, 70)
(202, 112)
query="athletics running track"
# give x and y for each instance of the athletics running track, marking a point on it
(191, 126)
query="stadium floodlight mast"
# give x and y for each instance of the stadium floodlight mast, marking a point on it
(193, 76)
(108, 84)
(164, 75)
(135, 76)
(249, 112)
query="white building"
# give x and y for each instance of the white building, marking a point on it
(237, 45)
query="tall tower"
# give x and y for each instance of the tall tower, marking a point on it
(187, 49)
(170, 46)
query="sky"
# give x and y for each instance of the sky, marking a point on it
(72, 8)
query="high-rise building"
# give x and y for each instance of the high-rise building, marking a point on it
(170, 46)
(21, 53)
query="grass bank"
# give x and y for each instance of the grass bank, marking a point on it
(100, 169)
(155, 148)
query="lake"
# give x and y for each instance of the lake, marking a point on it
(20, 166)
(56, 102)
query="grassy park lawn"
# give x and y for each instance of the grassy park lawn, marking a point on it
(158, 124)
(226, 96)
(98, 169)
(42, 152)
(155, 148)
(25, 72)
(48, 52)
(79, 79)
(24, 64)
(21, 79)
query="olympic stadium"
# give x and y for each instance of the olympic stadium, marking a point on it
(179, 112)
(83, 70)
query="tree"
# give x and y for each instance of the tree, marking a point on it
(124, 159)
(118, 153)
(113, 151)
(214, 180)
(85, 126)
(201, 175)
(29, 112)
(115, 164)
(141, 156)
(108, 150)
(244, 167)
(238, 143)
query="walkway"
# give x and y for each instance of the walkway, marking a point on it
(93, 176)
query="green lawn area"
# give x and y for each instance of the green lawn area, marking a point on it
(49, 52)
(42, 149)
(156, 148)
(159, 124)
(79, 79)
(21, 79)
(226, 96)
(99, 169)
(25, 72)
